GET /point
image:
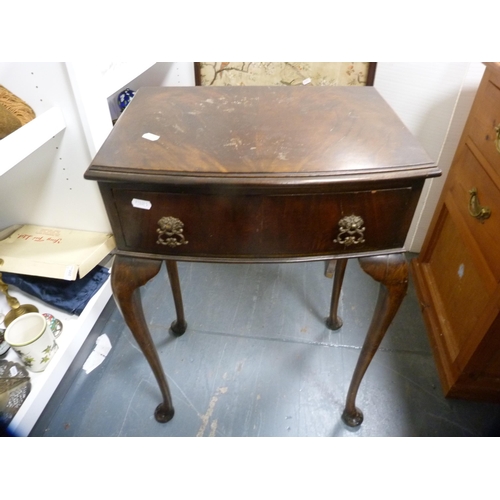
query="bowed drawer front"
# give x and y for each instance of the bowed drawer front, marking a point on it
(262, 225)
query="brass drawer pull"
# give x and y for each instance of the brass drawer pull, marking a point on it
(497, 138)
(351, 231)
(170, 232)
(475, 209)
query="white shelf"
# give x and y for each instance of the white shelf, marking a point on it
(58, 195)
(75, 331)
(20, 144)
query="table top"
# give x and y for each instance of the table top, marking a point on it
(229, 133)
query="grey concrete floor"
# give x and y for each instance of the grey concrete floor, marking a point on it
(258, 360)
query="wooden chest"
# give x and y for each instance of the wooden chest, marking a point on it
(457, 273)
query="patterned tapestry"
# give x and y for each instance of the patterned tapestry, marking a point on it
(283, 73)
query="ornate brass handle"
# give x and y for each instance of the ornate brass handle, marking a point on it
(497, 138)
(351, 231)
(170, 232)
(475, 209)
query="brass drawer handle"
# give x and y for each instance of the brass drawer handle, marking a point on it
(475, 209)
(497, 138)
(351, 231)
(170, 232)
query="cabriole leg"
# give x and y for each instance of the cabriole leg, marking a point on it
(178, 326)
(333, 321)
(391, 271)
(128, 274)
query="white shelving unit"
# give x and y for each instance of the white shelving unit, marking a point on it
(41, 178)
(41, 182)
(20, 144)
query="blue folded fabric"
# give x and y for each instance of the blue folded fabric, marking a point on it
(70, 296)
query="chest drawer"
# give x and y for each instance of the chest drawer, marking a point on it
(265, 226)
(468, 175)
(485, 123)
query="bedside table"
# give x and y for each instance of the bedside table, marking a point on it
(259, 174)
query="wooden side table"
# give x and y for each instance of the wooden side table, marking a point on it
(259, 174)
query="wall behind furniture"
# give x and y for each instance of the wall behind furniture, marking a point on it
(433, 100)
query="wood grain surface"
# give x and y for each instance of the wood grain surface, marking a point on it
(259, 131)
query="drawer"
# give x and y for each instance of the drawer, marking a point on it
(484, 123)
(469, 174)
(260, 226)
(458, 289)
